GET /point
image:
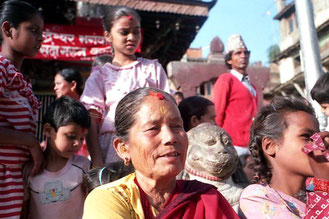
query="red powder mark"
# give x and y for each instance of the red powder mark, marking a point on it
(157, 95)
(130, 17)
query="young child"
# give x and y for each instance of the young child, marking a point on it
(108, 84)
(99, 176)
(21, 36)
(57, 191)
(279, 132)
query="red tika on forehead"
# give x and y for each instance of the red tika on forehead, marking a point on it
(130, 17)
(158, 95)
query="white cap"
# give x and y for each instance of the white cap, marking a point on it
(235, 42)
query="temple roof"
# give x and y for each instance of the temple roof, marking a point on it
(191, 7)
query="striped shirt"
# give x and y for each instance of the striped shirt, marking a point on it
(18, 111)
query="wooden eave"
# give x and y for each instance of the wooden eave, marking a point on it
(191, 7)
(286, 11)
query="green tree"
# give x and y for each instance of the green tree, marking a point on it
(273, 51)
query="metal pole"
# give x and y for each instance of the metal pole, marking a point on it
(310, 51)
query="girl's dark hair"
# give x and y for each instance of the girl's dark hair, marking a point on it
(270, 122)
(228, 57)
(320, 91)
(112, 171)
(113, 13)
(65, 110)
(71, 74)
(129, 106)
(193, 106)
(16, 12)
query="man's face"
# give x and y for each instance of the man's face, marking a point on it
(240, 60)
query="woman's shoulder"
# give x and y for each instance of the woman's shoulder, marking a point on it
(124, 183)
(111, 199)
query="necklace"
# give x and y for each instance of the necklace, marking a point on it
(289, 205)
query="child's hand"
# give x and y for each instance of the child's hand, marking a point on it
(317, 160)
(37, 157)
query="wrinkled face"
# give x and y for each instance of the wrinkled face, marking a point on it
(125, 35)
(325, 108)
(211, 151)
(27, 38)
(157, 142)
(289, 157)
(62, 87)
(67, 140)
(240, 59)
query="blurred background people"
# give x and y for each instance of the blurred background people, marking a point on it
(195, 110)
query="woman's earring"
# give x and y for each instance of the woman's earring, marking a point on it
(123, 149)
(126, 161)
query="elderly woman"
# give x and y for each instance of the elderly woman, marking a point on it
(150, 134)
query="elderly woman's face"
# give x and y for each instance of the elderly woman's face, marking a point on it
(157, 140)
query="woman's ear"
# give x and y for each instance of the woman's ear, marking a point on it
(121, 147)
(194, 121)
(6, 28)
(269, 146)
(47, 130)
(74, 86)
(107, 36)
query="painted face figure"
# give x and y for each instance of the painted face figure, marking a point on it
(211, 151)
(125, 35)
(27, 38)
(157, 142)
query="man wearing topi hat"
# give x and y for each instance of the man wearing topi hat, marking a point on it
(235, 97)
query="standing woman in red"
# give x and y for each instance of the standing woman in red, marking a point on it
(21, 35)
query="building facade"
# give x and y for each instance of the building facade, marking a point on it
(289, 58)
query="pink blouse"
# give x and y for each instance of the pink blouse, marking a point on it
(108, 84)
(258, 201)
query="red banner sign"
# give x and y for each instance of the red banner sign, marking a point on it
(78, 43)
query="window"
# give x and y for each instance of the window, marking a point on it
(291, 24)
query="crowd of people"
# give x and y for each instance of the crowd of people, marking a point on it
(125, 146)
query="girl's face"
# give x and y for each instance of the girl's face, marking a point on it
(289, 157)
(67, 140)
(125, 35)
(27, 38)
(62, 87)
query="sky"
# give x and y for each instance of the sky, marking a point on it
(252, 19)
